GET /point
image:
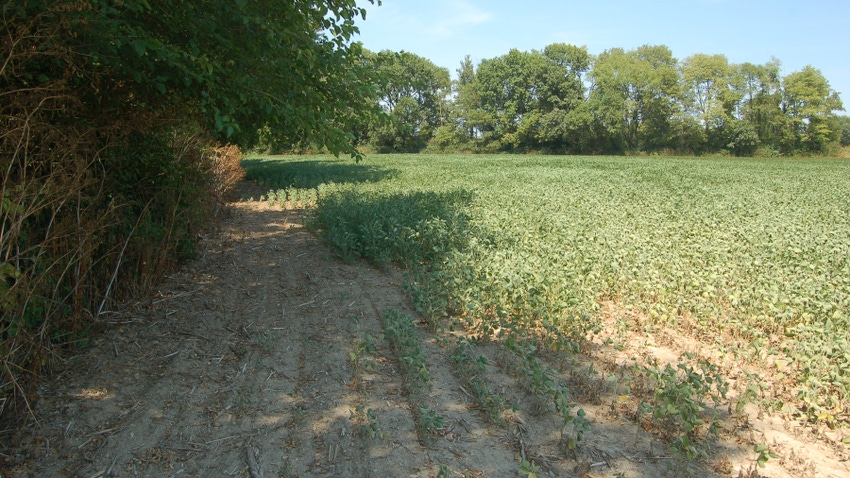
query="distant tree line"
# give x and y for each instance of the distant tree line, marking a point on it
(564, 100)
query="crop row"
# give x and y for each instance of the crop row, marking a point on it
(753, 249)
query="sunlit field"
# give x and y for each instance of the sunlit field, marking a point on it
(747, 255)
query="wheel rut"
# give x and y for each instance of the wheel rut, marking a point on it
(264, 355)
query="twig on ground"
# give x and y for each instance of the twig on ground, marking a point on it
(177, 295)
(253, 468)
(109, 470)
(190, 334)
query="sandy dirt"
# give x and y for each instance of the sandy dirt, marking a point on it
(250, 361)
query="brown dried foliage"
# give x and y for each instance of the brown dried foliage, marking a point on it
(226, 170)
(70, 243)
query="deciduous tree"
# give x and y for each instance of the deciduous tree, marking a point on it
(634, 95)
(711, 98)
(413, 90)
(564, 118)
(809, 103)
(761, 101)
(509, 91)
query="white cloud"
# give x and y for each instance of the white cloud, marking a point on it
(454, 16)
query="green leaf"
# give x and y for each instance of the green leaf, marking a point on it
(140, 46)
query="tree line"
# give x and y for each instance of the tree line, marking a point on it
(562, 99)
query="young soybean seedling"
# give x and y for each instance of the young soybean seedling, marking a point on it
(528, 469)
(764, 454)
(429, 421)
(365, 420)
(359, 357)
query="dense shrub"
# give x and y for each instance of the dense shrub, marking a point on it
(112, 116)
(101, 190)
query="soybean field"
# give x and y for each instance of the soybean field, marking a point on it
(561, 254)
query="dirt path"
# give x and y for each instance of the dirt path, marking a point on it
(264, 357)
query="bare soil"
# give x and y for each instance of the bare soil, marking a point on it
(241, 365)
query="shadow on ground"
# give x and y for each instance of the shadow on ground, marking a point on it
(311, 174)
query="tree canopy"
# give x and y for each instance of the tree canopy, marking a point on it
(232, 67)
(411, 89)
(114, 116)
(564, 100)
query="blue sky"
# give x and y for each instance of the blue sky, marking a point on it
(797, 33)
